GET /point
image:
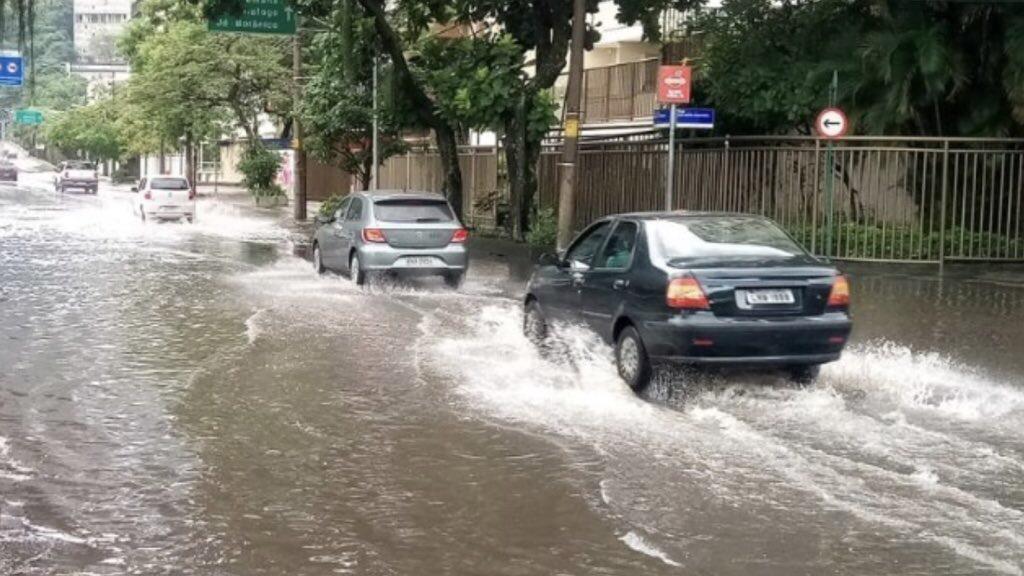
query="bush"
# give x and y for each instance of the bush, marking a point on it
(260, 167)
(329, 206)
(543, 231)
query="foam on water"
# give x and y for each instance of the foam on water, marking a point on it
(881, 437)
(638, 543)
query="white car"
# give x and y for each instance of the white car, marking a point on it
(165, 198)
(76, 174)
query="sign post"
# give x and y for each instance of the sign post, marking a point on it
(673, 89)
(832, 125)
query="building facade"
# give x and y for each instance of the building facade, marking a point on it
(97, 25)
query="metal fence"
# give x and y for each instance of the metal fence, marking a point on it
(906, 199)
(910, 199)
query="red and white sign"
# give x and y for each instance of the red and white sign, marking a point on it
(831, 123)
(674, 84)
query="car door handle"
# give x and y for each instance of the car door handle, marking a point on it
(620, 284)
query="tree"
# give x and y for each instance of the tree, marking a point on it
(191, 85)
(337, 104)
(88, 129)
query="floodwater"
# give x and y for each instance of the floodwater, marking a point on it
(181, 399)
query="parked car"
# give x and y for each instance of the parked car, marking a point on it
(76, 174)
(8, 171)
(694, 288)
(165, 198)
(391, 231)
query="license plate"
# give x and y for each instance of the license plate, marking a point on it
(419, 261)
(770, 297)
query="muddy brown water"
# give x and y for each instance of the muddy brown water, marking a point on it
(195, 400)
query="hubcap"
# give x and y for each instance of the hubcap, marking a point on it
(629, 358)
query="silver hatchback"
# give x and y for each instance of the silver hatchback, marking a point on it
(392, 231)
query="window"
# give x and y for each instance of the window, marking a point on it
(339, 214)
(413, 210)
(721, 238)
(355, 210)
(581, 254)
(618, 253)
(169, 184)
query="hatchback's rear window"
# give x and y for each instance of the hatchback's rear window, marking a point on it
(412, 210)
(80, 166)
(721, 238)
(168, 184)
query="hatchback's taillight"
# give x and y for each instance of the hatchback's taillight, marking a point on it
(460, 236)
(148, 195)
(839, 297)
(191, 193)
(686, 293)
(375, 235)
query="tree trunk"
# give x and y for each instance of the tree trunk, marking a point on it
(447, 147)
(190, 160)
(367, 171)
(521, 156)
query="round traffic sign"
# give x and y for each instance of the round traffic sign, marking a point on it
(831, 123)
(12, 67)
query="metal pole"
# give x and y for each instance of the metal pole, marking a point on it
(670, 171)
(570, 142)
(300, 154)
(942, 207)
(830, 167)
(375, 172)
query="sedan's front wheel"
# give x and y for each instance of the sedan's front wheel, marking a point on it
(631, 359)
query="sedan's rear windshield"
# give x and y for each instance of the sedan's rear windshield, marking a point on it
(412, 210)
(721, 238)
(168, 184)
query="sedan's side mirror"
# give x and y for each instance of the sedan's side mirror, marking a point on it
(135, 189)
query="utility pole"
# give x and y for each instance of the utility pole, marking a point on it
(376, 130)
(571, 129)
(297, 144)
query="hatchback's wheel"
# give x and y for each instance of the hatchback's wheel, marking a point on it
(453, 279)
(631, 359)
(535, 327)
(804, 374)
(355, 270)
(318, 262)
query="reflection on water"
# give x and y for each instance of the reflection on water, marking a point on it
(194, 400)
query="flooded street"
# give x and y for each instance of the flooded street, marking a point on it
(194, 399)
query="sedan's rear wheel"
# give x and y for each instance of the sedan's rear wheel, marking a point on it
(804, 375)
(318, 263)
(355, 270)
(631, 359)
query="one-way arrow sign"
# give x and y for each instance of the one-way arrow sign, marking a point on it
(831, 123)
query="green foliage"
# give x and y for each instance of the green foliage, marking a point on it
(855, 240)
(88, 129)
(337, 106)
(330, 206)
(260, 166)
(543, 231)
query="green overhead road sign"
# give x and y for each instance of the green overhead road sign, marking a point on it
(28, 117)
(259, 17)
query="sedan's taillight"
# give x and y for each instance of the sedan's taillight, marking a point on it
(66, 174)
(686, 293)
(839, 297)
(375, 235)
(460, 236)
(148, 195)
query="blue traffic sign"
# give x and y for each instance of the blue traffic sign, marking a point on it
(11, 71)
(695, 118)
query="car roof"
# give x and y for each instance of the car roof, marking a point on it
(682, 215)
(376, 195)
